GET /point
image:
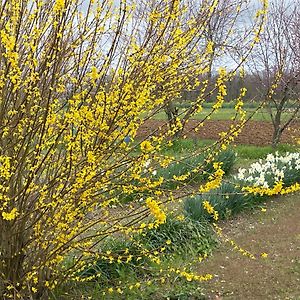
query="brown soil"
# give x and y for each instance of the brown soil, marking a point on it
(276, 232)
(254, 133)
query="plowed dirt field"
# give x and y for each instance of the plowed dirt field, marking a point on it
(254, 133)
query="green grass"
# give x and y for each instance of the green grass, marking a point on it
(224, 114)
(183, 147)
(256, 152)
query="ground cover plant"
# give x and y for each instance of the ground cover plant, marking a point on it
(187, 167)
(123, 261)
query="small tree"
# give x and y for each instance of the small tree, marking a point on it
(278, 55)
(221, 38)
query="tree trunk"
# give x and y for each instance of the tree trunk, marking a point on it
(276, 137)
(277, 124)
(172, 113)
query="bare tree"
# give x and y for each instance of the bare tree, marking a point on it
(222, 38)
(278, 55)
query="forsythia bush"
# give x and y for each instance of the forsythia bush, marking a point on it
(77, 78)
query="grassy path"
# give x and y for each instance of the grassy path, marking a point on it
(275, 232)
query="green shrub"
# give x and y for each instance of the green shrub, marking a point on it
(182, 167)
(227, 158)
(109, 271)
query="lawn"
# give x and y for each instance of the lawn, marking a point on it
(185, 146)
(225, 114)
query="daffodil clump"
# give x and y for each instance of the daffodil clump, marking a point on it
(277, 174)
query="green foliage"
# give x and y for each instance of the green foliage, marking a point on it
(186, 236)
(184, 146)
(109, 271)
(179, 168)
(184, 166)
(292, 176)
(173, 288)
(227, 158)
(228, 200)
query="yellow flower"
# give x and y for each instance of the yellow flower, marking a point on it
(10, 215)
(59, 5)
(211, 210)
(264, 255)
(94, 75)
(146, 146)
(215, 180)
(156, 210)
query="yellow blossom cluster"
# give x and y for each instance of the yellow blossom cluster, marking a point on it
(9, 216)
(210, 209)
(159, 215)
(146, 146)
(215, 180)
(191, 276)
(222, 90)
(59, 6)
(275, 190)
